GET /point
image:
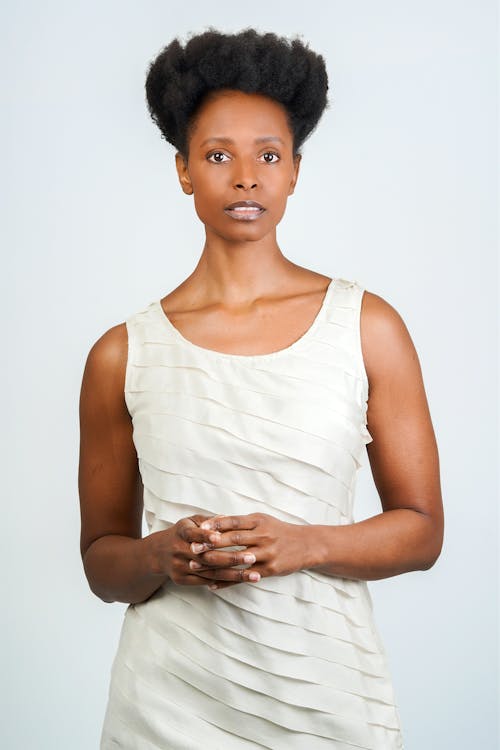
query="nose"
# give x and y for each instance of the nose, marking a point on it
(244, 177)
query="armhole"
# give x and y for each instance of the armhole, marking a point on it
(128, 366)
(365, 385)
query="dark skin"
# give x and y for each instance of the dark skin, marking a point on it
(245, 297)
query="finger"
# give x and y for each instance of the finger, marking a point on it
(195, 520)
(229, 523)
(220, 539)
(220, 559)
(196, 580)
(189, 532)
(241, 575)
(203, 543)
(221, 584)
(199, 533)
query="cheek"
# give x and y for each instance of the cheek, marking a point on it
(280, 199)
(207, 204)
(203, 193)
(209, 192)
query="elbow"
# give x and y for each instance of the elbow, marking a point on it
(433, 554)
(92, 579)
(432, 542)
(105, 599)
(428, 563)
(95, 588)
(103, 596)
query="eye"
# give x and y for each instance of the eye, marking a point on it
(271, 153)
(216, 153)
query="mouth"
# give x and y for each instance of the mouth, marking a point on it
(245, 210)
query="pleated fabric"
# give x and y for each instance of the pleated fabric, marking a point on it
(292, 661)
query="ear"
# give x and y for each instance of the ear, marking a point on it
(296, 168)
(183, 174)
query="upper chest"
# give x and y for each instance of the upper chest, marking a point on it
(263, 327)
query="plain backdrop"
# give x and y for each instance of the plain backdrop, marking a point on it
(397, 190)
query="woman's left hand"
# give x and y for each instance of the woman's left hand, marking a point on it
(280, 548)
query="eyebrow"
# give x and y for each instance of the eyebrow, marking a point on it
(261, 139)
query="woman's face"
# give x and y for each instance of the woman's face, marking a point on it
(241, 149)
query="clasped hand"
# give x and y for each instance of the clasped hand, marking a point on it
(273, 548)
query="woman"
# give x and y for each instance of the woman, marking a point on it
(235, 412)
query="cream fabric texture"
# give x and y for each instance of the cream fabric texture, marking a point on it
(293, 662)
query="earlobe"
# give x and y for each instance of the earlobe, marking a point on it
(186, 186)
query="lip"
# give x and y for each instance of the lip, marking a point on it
(243, 204)
(244, 214)
(244, 210)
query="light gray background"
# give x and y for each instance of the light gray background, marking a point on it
(397, 190)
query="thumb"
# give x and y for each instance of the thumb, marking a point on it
(197, 519)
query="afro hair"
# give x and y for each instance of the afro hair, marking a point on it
(180, 78)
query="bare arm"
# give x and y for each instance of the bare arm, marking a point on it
(408, 534)
(115, 557)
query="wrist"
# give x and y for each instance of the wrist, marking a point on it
(318, 542)
(151, 579)
(150, 557)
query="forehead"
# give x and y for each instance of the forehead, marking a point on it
(224, 111)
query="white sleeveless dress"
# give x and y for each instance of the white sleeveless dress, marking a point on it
(292, 662)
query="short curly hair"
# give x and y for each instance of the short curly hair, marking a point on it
(179, 79)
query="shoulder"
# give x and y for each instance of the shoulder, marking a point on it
(385, 339)
(107, 360)
(379, 315)
(111, 347)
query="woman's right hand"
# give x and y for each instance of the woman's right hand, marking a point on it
(171, 552)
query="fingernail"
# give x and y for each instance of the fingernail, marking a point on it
(197, 547)
(194, 564)
(249, 558)
(254, 576)
(215, 536)
(205, 525)
(212, 586)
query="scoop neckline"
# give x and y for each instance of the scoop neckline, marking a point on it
(266, 355)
